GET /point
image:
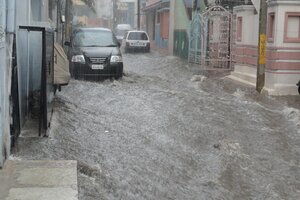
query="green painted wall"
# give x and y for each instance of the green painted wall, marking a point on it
(182, 28)
(181, 18)
(181, 43)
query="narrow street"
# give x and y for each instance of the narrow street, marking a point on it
(167, 131)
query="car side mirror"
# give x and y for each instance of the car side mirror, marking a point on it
(67, 43)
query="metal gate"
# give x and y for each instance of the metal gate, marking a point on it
(211, 38)
(196, 38)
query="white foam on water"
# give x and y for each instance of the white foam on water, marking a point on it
(293, 115)
(14, 158)
(239, 94)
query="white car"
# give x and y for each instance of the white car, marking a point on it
(136, 41)
(120, 31)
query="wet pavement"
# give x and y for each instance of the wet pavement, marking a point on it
(168, 130)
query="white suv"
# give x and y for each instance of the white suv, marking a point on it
(120, 31)
(136, 41)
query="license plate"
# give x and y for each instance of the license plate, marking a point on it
(97, 67)
(138, 44)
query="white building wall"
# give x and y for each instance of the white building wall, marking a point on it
(250, 25)
(280, 22)
(280, 80)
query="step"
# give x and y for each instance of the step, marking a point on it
(246, 78)
(36, 180)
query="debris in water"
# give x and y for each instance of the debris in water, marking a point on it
(217, 146)
(198, 78)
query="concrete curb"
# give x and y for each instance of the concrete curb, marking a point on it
(36, 180)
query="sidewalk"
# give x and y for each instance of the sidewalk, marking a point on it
(39, 180)
(158, 49)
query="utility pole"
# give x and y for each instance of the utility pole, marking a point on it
(262, 40)
(138, 14)
(59, 23)
(68, 19)
(114, 14)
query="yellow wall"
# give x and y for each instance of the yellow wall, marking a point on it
(77, 2)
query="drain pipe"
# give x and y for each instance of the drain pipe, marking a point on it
(11, 16)
(10, 33)
(3, 99)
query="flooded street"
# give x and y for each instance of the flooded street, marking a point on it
(166, 131)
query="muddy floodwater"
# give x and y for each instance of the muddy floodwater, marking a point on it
(168, 130)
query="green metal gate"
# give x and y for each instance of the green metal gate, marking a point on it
(211, 39)
(196, 38)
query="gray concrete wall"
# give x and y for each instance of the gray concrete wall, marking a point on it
(2, 64)
(5, 82)
(3, 98)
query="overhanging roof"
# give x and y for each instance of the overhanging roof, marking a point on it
(158, 5)
(190, 4)
(152, 6)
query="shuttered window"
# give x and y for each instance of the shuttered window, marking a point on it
(164, 25)
(292, 27)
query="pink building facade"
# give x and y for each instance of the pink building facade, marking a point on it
(157, 14)
(283, 46)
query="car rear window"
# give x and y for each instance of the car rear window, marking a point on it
(124, 26)
(137, 36)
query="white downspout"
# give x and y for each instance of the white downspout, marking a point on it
(11, 16)
(3, 77)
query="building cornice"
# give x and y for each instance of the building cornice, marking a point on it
(244, 8)
(283, 2)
